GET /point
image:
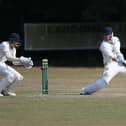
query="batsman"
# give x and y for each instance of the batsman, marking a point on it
(10, 75)
(113, 60)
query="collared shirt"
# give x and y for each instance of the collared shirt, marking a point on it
(111, 49)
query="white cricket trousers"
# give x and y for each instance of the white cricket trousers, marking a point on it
(10, 76)
(110, 71)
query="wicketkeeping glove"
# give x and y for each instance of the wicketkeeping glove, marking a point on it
(27, 62)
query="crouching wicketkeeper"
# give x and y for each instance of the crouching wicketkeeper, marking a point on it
(8, 53)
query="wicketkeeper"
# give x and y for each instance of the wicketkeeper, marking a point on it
(113, 60)
(10, 75)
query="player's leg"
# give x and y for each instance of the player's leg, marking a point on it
(6, 83)
(7, 80)
(100, 83)
(122, 70)
(16, 73)
(9, 89)
(109, 72)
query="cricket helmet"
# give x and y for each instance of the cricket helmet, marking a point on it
(107, 30)
(15, 38)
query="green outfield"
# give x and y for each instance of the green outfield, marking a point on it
(63, 106)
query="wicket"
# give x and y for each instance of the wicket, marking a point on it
(44, 76)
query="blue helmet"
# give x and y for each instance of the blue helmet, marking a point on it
(107, 30)
(15, 37)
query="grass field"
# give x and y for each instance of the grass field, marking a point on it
(63, 106)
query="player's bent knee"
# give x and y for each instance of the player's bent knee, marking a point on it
(20, 77)
(103, 81)
(11, 78)
(106, 82)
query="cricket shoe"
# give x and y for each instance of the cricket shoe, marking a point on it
(1, 95)
(5, 93)
(82, 92)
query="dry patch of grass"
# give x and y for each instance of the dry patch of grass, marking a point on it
(64, 106)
